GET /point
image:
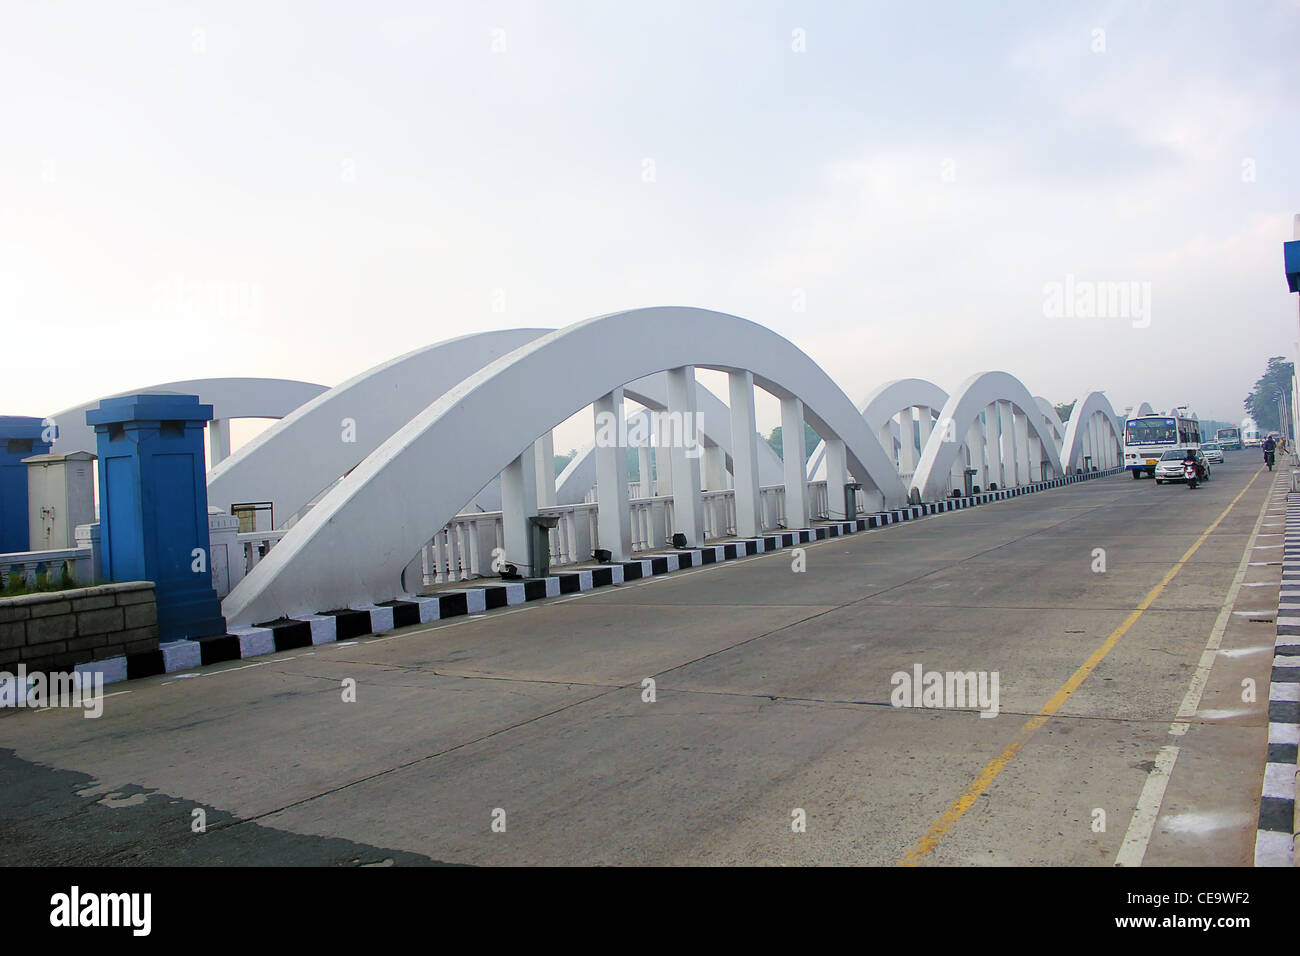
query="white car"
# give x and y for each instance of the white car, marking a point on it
(1213, 452)
(1170, 467)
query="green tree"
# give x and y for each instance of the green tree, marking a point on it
(811, 440)
(1273, 389)
(1064, 410)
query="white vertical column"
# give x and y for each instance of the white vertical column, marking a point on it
(1021, 425)
(744, 452)
(1007, 427)
(796, 468)
(715, 467)
(887, 441)
(907, 443)
(993, 443)
(926, 424)
(613, 512)
(218, 441)
(687, 508)
(663, 464)
(837, 476)
(643, 466)
(544, 450)
(1036, 457)
(518, 504)
(978, 454)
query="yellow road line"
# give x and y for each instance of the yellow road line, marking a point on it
(939, 829)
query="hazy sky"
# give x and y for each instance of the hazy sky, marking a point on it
(304, 190)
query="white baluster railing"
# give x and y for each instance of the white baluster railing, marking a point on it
(818, 500)
(257, 544)
(27, 565)
(772, 498)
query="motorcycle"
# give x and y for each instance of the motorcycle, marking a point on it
(1190, 473)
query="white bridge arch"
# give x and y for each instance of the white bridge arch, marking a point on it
(1093, 433)
(489, 401)
(579, 476)
(353, 546)
(229, 398)
(309, 449)
(887, 410)
(993, 425)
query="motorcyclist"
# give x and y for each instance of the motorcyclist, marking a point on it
(1270, 447)
(1191, 456)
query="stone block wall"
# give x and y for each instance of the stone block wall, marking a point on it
(57, 630)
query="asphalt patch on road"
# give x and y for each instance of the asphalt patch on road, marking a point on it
(52, 817)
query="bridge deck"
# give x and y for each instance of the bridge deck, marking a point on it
(773, 693)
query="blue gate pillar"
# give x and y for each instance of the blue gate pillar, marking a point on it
(20, 438)
(153, 506)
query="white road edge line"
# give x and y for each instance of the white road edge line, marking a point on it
(1138, 836)
(1140, 828)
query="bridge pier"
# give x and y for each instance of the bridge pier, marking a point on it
(837, 476)
(1006, 445)
(744, 453)
(646, 486)
(1024, 463)
(613, 510)
(218, 441)
(715, 468)
(544, 451)
(687, 506)
(976, 444)
(792, 455)
(906, 442)
(663, 458)
(518, 504)
(926, 425)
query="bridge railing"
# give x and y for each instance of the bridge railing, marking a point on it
(462, 550)
(28, 565)
(257, 544)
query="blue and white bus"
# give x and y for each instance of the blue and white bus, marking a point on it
(1148, 437)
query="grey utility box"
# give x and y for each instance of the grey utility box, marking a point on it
(851, 490)
(541, 526)
(60, 496)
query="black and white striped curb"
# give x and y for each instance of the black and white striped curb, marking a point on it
(1275, 840)
(349, 623)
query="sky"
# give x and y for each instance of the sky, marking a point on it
(305, 190)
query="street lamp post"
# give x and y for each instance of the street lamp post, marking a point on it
(1291, 265)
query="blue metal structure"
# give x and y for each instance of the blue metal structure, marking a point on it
(154, 506)
(20, 437)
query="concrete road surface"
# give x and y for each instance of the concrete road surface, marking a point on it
(526, 736)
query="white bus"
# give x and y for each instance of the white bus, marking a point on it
(1148, 437)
